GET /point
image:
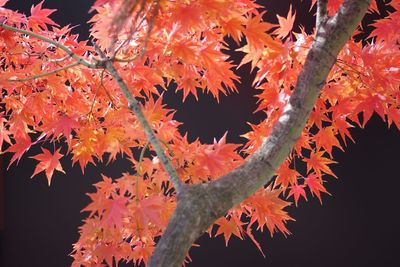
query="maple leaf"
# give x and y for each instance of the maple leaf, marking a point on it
(115, 211)
(218, 157)
(393, 115)
(62, 125)
(149, 210)
(189, 16)
(271, 97)
(286, 175)
(227, 228)
(342, 126)
(4, 133)
(387, 28)
(142, 251)
(297, 191)
(39, 17)
(256, 33)
(266, 208)
(106, 252)
(371, 103)
(234, 28)
(326, 139)
(314, 183)
(48, 163)
(319, 163)
(86, 146)
(285, 24)
(19, 148)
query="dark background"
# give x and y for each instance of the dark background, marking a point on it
(357, 226)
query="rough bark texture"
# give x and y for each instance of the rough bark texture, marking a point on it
(200, 205)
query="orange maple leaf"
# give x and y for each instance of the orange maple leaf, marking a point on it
(285, 175)
(268, 210)
(327, 139)
(4, 133)
(319, 163)
(227, 228)
(314, 183)
(285, 24)
(256, 33)
(48, 162)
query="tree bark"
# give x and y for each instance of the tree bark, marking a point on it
(201, 204)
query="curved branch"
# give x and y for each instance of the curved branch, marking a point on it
(200, 205)
(151, 136)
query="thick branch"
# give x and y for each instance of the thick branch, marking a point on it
(152, 138)
(322, 12)
(50, 41)
(200, 205)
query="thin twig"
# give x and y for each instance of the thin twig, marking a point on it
(134, 105)
(58, 60)
(44, 74)
(139, 172)
(133, 28)
(97, 91)
(120, 20)
(146, 38)
(57, 44)
(109, 96)
(150, 29)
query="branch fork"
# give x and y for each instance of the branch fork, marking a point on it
(199, 205)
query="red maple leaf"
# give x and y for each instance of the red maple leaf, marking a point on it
(297, 191)
(115, 211)
(286, 175)
(40, 17)
(314, 183)
(62, 125)
(19, 148)
(49, 163)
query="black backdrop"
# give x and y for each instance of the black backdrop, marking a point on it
(357, 226)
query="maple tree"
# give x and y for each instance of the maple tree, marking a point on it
(97, 100)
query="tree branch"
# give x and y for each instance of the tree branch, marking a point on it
(133, 103)
(152, 138)
(200, 205)
(57, 44)
(44, 73)
(322, 12)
